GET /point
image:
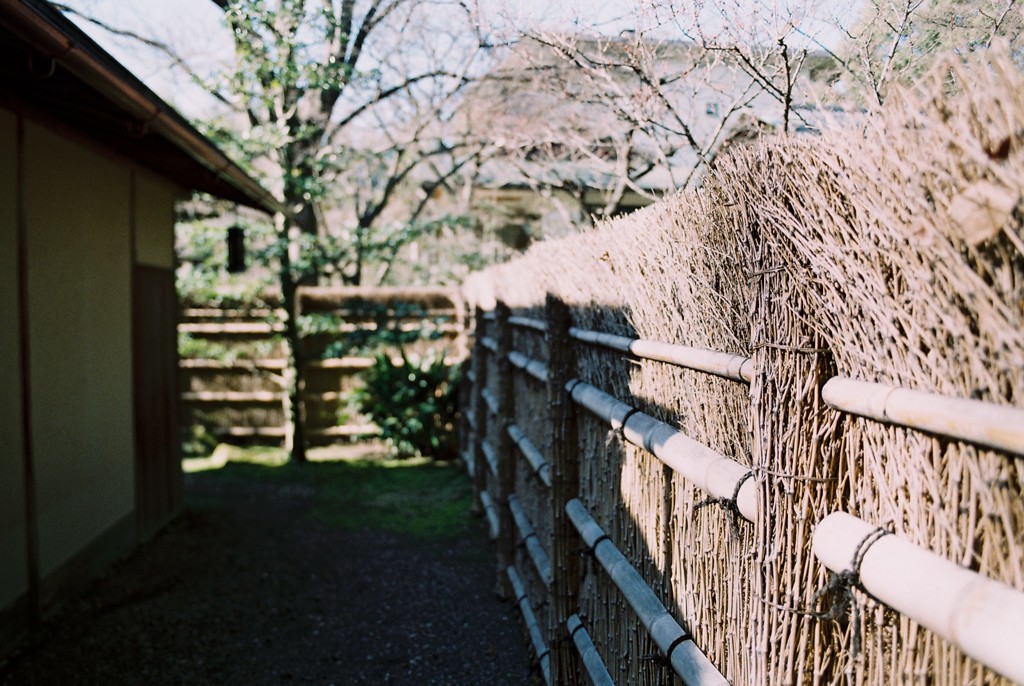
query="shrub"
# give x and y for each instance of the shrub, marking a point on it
(414, 402)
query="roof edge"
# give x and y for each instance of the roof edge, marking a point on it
(57, 37)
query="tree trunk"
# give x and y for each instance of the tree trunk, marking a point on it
(303, 220)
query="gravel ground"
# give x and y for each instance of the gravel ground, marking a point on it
(250, 586)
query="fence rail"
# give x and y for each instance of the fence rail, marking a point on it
(235, 378)
(984, 618)
(675, 642)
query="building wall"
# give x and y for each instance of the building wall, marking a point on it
(13, 551)
(154, 215)
(159, 481)
(78, 225)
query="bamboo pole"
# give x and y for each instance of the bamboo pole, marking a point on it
(540, 648)
(492, 515)
(467, 459)
(489, 456)
(686, 659)
(541, 561)
(537, 462)
(490, 401)
(529, 323)
(535, 368)
(994, 426)
(489, 343)
(727, 365)
(589, 656)
(982, 617)
(567, 572)
(710, 471)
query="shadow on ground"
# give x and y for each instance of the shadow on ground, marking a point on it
(346, 572)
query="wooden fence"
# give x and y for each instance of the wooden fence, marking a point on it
(235, 380)
(523, 443)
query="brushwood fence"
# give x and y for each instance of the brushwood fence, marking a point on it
(772, 432)
(235, 373)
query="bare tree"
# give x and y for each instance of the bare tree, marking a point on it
(894, 41)
(340, 105)
(643, 112)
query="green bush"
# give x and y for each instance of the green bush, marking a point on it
(415, 403)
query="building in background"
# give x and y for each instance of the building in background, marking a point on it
(91, 165)
(586, 128)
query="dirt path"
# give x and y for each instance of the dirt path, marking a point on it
(280, 576)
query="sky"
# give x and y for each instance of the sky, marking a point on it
(195, 29)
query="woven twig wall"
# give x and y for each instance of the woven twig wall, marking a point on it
(889, 251)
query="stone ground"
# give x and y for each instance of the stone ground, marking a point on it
(261, 582)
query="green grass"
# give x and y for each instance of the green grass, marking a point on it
(425, 499)
(418, 497)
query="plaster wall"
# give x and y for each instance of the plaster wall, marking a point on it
(77, 205)
(154, 219)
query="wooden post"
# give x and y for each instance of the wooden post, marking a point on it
(479, 409)
(504, 388)
(564, 459)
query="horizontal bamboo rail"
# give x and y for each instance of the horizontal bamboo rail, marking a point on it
(344, 363)
(236, 328)
(529, 323)
(347, 430)
(467, 460)
(982, 617)
(325, 397)
(710, 471)
(232, 397)
(540, 648)
(995, 426)
(488, 315)
(529, 451)
(489, 456)
(541, 561)
(221, 313)
(251, 431)
(243, 365)
(987, 424)
(492, 514)
(490, 401)
(592, 662)
(470, 418)
(681, 652)
(727, 365)
(535, 368)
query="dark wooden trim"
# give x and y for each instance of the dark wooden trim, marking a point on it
(31, 506)
(159, 483)
(66, 581)
(140, 525)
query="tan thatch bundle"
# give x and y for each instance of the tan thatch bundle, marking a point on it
(890, 253)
